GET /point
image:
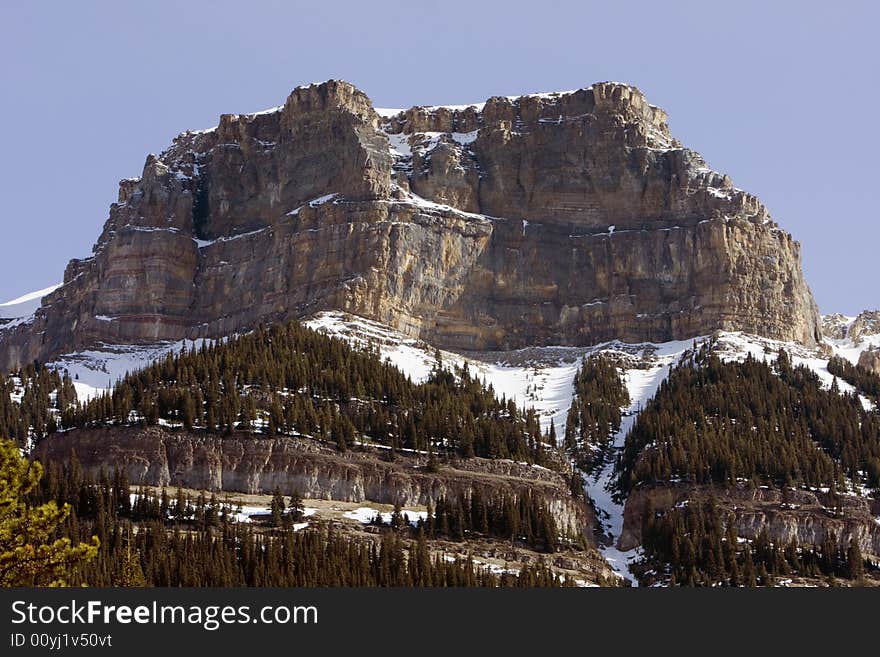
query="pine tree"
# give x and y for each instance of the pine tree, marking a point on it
(29, 556)
(397, 516)
(296, 509)
(130, 573)
(854, 560)
(277, 508)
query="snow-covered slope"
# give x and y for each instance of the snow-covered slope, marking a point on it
(26, 304)
(543, 378)
(735, 346)
(538, 377)
(643, 373)
(95, 371)
(849, 336)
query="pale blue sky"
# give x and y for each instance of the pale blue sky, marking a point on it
(782, 96)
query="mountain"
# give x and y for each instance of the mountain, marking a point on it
(563, 219)
(855, 338)
(539, 310)
(25, 305)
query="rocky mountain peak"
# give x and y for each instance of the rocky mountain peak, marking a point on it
(856, 329)
(554, 218)
(867, 323)
(329, 96)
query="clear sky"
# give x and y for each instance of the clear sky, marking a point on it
(782, 96)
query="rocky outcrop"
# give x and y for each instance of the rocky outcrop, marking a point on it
(866, 324)
(840, 327)
(858, 337)
(807, 517)
(155, 456)
(835, 326)
(870, 360)
(546, 219)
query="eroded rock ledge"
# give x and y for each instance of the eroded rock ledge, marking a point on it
(155, 456)
(567, 218)
(803, 516)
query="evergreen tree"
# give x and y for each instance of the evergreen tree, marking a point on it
(277, 508)
(29, 553)
(296, 509)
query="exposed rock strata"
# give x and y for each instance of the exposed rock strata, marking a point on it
(158, 457)
(802, 516)
(564, 219)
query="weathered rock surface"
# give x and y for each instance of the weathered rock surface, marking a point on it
(803, 516)
(158, 457)
(840, 327)
(870, 360)
(835, 326)
(547, 219)
(866, 324)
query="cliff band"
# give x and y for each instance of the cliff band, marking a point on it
(566, 218)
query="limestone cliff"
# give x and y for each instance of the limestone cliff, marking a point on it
(566, 218)
(154, 456)
(806, 517)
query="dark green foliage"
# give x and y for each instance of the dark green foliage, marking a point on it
(594, 416)
(716, 422)
(863, 380)
(291, 380)
(188, 543)
(690, 546)
(36, 415)
(277, 508)
(295, 509)
(522, 519)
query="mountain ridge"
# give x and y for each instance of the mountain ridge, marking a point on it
(447, 224)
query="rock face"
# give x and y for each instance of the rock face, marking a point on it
(865, 325)
(566, 218)
(157, 457)
(835, 326)
(860, 336)
(803, 516)
(839, 327)
(870, 360)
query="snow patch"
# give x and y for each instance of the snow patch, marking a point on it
(206, 243)
(365, 515)
(399, 145)
(315, 202)
(95, 371)
(641, 382)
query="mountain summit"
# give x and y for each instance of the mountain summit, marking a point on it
(563, 218)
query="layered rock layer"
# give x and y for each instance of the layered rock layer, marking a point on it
(154, 456)
(804, 517)
(568, 218)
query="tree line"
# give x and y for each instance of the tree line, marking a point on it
(861, 378)
(720, 422)
(523, 519)
(690, 545)
(44, 394)
(288, 379)
(595, 412)
(178, 541)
